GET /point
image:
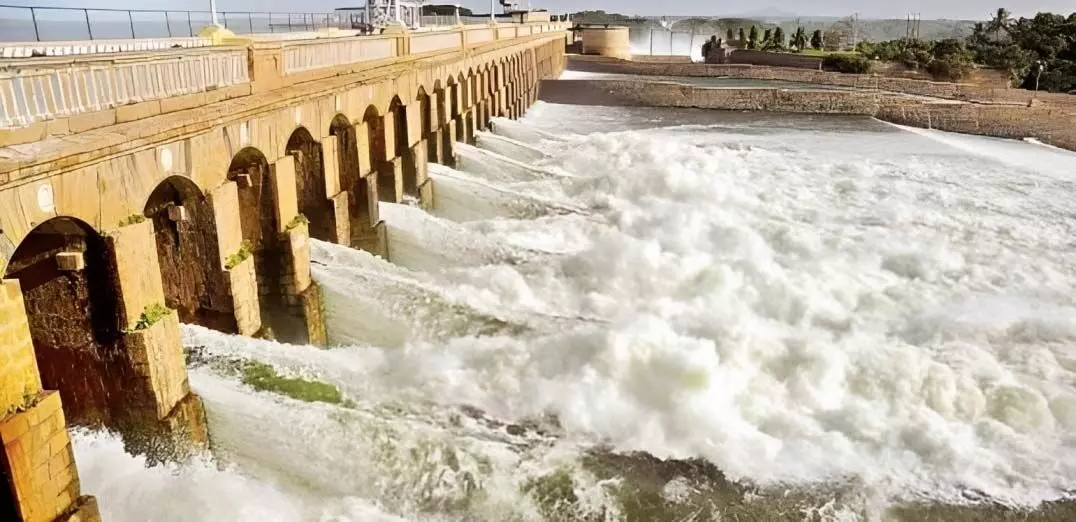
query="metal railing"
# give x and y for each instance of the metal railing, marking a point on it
(38, 24)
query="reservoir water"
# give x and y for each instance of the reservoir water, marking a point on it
(642, 314)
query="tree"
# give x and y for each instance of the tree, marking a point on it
(800, 40)
(743, 39)
(950, 60)
(767, 37)
(729, 36)
(752, 39)
(1000, 22)
(816, 39)
(778, 41)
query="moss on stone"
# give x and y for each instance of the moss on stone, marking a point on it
(133, 219)
(295, 222)
(153, 313)
(263, 377)
(553, 494)
(244, 253)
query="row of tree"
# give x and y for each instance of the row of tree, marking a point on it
(774, 39)
(1039, 52)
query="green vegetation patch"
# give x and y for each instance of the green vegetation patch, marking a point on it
(263, 377)
(298, 220)
(245, 251)
(133, 219)
(153, 313)
(847, 63)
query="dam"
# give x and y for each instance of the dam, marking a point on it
(461, 274)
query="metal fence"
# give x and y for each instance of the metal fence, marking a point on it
(38, 24)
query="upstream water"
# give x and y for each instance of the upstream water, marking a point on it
(806, 317)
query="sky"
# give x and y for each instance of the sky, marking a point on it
(929, 9)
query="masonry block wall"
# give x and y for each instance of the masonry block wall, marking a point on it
(38, 479)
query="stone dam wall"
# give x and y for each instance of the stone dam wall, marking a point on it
(952, 91)
(1051, 125)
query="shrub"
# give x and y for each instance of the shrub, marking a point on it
(847, 63)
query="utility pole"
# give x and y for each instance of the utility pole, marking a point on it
(213, 10)
(855, 31)
(493, 11)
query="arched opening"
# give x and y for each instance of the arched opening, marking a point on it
(454, 98)
(465, 95)
(310, 184)
(375, 130)
(403, 148)
(63, 267)
(425, 111)
(351, 179)
(472, 86)
(184, 227)
(258, 221)
(439, 148)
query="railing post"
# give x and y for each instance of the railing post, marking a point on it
(130, 18)
(33, 16)
(224, 15)
(271, 30)
(250, 22)
(89, 29)
(168, 24)
(190, 26)
(289, 22)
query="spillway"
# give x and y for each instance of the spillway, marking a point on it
(633, 314)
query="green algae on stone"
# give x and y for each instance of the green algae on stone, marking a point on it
(263, 377)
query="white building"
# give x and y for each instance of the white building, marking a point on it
(381, 13)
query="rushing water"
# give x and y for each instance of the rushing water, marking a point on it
(836, 315)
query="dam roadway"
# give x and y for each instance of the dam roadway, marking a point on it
(170, 211)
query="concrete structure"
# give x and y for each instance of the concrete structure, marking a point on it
(1049, 121)
(611, 41)
(226, 159)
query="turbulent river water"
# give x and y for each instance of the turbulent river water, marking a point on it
(633, 314)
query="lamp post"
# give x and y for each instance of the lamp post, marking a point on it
(493, 11)
(213, 10)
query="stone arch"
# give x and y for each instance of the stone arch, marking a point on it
(188, 252)
(403, 157)
(426, 122)
(64, 269)
(250, 171)
(310, 184)
(376, 131)
(452, 89)
(472, 86)
(351, 178)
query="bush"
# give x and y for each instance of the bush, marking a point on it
(950, 69)
(847, 63)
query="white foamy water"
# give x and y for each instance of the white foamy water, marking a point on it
(800, 301)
